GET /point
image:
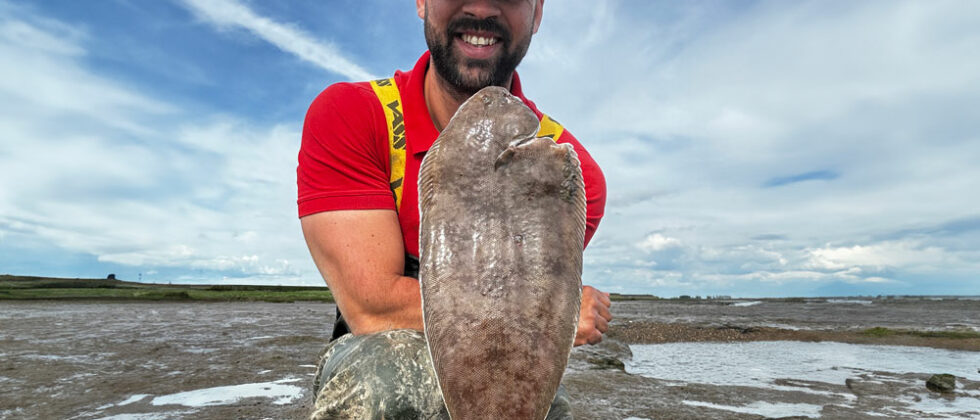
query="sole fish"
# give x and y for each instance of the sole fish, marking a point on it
(501, 236)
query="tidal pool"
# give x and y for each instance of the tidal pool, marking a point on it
(795, 366)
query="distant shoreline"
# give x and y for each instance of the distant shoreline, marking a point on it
(67, 289)
(18, 287)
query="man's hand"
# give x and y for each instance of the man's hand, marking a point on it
(594, 316)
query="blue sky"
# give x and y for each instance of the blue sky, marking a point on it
(750, 148)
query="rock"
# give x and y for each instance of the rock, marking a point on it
(608, 354)
(872, 386)
(607, 363)
(942, 382)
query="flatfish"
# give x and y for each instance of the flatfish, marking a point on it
(501, 237)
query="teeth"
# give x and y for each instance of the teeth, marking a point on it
(479, 40)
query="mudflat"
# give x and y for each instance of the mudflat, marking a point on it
(162, 360)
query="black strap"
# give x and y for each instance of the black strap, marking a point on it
(340, 326)
(411, 266)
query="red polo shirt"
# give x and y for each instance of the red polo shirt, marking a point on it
(344, 163)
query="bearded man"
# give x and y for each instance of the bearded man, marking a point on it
(358, 203)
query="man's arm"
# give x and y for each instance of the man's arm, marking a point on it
(361, 256)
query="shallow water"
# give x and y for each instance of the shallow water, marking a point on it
(962, 313)
(797, 366)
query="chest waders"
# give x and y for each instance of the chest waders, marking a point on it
(391, 103)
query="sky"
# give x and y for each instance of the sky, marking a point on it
(750, 148)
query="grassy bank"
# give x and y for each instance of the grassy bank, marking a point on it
(888, 332)
(49, 288)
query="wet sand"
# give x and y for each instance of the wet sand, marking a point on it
(92, 360)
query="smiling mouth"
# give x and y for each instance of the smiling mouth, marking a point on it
(478, 41)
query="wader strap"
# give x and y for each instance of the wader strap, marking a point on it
(391, 103)
(339, 326)
(550, 128)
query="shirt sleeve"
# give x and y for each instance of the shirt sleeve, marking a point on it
(343, 158)
(595, 185)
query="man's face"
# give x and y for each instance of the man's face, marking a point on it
(478, 43)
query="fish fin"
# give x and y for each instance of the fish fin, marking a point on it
(427, 176)
(573, 186)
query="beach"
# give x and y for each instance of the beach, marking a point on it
(751, 359)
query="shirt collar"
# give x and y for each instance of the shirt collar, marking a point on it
(420, 130)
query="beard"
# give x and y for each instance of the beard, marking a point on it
(451, 65)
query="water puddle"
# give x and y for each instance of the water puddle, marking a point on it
(759, 363)
(224, 395)
(261, 337)
(749, 303)
(851, 301)
(814, 368)
(127, 401)
(148, 416)
(766, 409)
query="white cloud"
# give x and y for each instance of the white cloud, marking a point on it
(41, 80)
(892, 254)
(230, 13)
(658, 242)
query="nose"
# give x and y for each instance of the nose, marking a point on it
(481, 9)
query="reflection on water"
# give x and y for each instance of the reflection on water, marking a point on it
(795, 364)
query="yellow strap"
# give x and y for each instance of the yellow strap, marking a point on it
(550, 128)
(391, 103)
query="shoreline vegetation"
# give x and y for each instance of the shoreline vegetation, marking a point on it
(52, 288)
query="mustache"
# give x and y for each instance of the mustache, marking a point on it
(491, 25)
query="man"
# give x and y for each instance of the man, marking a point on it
(358, 203)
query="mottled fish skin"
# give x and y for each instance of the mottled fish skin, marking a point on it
(501, 236)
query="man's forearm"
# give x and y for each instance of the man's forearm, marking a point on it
(396, 305)
(361, 257)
